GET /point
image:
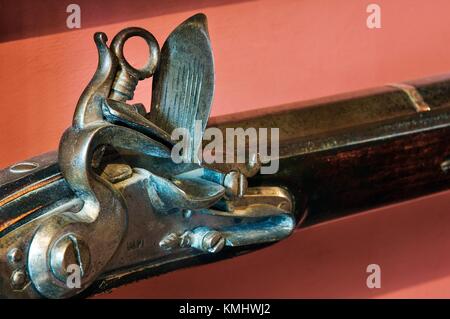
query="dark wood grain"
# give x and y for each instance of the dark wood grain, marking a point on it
(344, 181)
(26, 18)
(358, 151)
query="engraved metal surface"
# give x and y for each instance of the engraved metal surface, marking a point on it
(184, 82)
(115, 196)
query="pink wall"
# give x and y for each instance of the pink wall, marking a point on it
(410, 242)
(267, 53)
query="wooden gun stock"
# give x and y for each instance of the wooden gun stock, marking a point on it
(337, 156)
(353, 152)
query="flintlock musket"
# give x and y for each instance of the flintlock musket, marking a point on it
(112, 206)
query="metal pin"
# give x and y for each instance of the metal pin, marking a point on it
(18, 279)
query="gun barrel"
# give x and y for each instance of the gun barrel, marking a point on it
(337, 156)
(357, 151)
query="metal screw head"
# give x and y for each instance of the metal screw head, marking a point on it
(235, 184)
(253, 165)
(15, 256)
(18, 279)
(116, 173)
(170, 241)
(445, 166)
(69, 250)
(213, 241)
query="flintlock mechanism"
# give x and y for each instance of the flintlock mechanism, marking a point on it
(121, 204)
(116, 204)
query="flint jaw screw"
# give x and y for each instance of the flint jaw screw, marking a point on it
(201, 238)
(69, 250)
(207, 240)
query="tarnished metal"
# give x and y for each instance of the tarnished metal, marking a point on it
(266, 211)
(184, 83)
(113, 203)
(121, 201)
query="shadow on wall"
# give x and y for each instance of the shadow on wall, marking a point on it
(26, 18)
